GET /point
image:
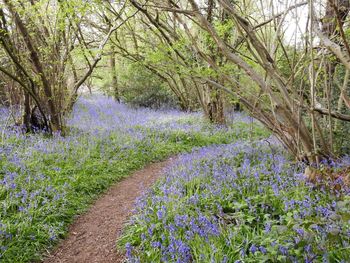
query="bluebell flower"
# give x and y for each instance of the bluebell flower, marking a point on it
(283, 250)
(262, 249)
(253, 249)
(129, 249)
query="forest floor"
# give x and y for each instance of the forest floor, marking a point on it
(232, 194)
(47, 182)
(241, 202)
(92, 238)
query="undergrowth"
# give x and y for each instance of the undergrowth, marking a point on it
(241, 202)
(45, 182)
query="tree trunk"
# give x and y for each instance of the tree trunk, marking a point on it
(214, 105)
(215, 100)
(55, 123)
(26, 112)
(334, 8)
(114, 84)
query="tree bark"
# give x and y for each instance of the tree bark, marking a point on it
(113, 69)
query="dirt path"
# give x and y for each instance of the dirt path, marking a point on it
(93, 236)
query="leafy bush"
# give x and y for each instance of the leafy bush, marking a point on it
(140, 87)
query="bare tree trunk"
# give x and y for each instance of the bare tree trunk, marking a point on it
(334, 9)
(55, 123)
(27, 112)
(215, 103)
(114, 84)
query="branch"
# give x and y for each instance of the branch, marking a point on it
(98, 57)
(30, 92)
(280, 14)
(334, 114)
(173, 10)
(340, 25)
(335, 48)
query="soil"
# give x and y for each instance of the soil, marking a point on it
(92, 237)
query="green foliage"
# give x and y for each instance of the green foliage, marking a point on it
(225, 28)
(140, 87)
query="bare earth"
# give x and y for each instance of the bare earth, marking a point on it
(92, 238)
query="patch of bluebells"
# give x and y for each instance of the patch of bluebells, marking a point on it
(243, 202)
(45, 181)
(110, 117)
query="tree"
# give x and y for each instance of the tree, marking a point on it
(290, 109)
(283, 84)
(39, 51)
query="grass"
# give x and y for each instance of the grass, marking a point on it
(45, 182)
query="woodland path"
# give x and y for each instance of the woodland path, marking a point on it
(92, 237)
